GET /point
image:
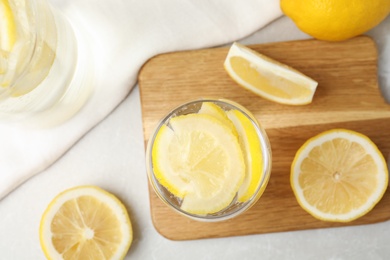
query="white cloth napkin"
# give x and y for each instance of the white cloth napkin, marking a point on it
(122, 36)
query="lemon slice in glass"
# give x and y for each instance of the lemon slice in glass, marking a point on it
(251, 147)
(85, 222)
(268, 78)
(339, 175)
(216, 111)
(198, 159)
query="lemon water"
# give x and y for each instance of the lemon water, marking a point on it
(39, 57)
(209, 159)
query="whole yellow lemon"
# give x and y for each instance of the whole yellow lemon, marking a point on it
(335, 20)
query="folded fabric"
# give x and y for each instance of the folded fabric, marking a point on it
(122, 36)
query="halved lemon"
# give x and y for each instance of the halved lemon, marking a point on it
(339, 175)
(198, 159)
(251, 147)
(85, 222)
(268, 78)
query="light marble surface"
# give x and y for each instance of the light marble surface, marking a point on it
(111, 155)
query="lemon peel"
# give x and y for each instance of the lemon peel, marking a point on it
(335, 20)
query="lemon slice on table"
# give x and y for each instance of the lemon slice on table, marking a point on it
(268, 78)
(85, 222)
(251, 147)
(198, 159)
(339, 175)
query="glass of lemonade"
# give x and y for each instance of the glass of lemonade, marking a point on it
(209, 159)
(41, 70)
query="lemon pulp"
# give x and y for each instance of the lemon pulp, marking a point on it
(7, 27)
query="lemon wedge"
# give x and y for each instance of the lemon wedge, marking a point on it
(85, 222)
(199, 160)
(339, 175)
(268, 78)
(251, 147)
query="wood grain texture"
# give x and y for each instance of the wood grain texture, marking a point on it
(347, 97)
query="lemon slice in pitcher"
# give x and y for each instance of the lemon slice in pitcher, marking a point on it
(7, 37)
(7, 27)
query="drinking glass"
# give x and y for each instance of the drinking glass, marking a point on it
(236, 207)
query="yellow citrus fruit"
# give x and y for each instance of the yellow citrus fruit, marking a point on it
(199, 160)
(335, 20)
(339, 175)
(268, 78)
(85, 222)
(7, 36)
(251, 147)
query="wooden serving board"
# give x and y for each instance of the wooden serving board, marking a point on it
(347, 97)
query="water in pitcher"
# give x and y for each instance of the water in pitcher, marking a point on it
(39, 63)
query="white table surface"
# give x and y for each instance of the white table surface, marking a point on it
(112, 156)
